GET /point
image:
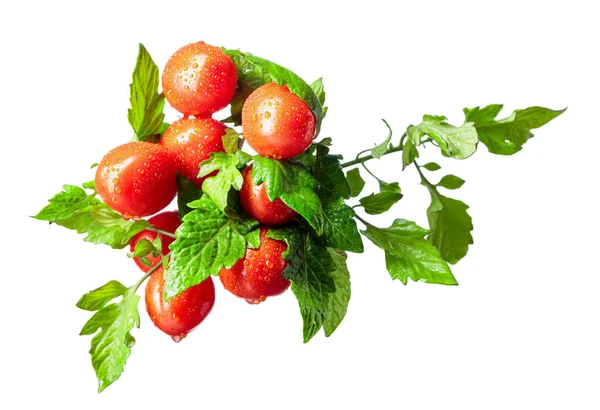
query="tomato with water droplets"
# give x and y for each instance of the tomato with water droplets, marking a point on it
(277, 123)
(256, 203)
(137, 179)
(166, 221)
(199, 79)
(181, 314)
(258, 274)
(191, 140)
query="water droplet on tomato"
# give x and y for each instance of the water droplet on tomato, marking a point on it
(269, 264)
(118, 190)
(175, 317)
(254, 117)
(114, 200)
(267, 114)
(260, 125)
(141, 171)
(177, 338)
(187, 87)
(195, 65)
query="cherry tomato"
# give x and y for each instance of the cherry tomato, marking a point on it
(258, 274)
(199, 79)
(181, 314)
(255, 202)
(191, 140)
(167, 221)
(277, 123)
(137, 179)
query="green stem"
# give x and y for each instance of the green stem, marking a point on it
(361, 160)
(150, 272)
(362, 220)
(160, 231)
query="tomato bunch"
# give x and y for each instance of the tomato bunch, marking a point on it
(138, 179)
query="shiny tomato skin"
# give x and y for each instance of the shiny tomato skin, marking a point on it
(167, 221)
(199, 79)
(255, 202)
(277, 123)
(137, 179)
(191, 140)
(181, 314)
(258, 274)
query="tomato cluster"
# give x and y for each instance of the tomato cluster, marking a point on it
(138, 179)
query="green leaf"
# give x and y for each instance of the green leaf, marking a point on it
(229, 176)
(389, 187)
(89, 185)
(507, 136)
(66, 203)
(255, 71)
(375, 204)
(456, 142)
(96, 299)
(146, 112)
(340, 230)
(409, 153)
(431, 166)
(145, 247)
(382, 148)
(451, 182)
(309, 269)
(338, 302)
(408, 254)
(319, 90)
(231, 140)
(355, 182)
(327, 170)
(207, 241)
(293, 184)
(187, 192)
(253, 239)
(112, 341)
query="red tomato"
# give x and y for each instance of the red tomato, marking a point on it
(258, 274)
(255, 202)
(277, 123)
(137, 179)
(167, 221)
(199, 79)
(181, 314)
(191, 140)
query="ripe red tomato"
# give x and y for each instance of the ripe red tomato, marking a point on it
(199, 79)
(277, 123)
(258, 274)
(137, 179)
(181, 314)
(255, 202)
(191, 140)
(167, 221)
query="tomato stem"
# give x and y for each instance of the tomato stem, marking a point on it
(161, 231)
(362, 160)
(150, 272)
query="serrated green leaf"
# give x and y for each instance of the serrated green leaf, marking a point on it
(355, 182)
(217, 187)
(144, 247)
(253, 239)
(231, 140)
(456, 142)
(89, 185)
(382, 148)
(207, 241)
(293, 184)
(507, 136)
(338, 302)
(147, 104)
(431, 166)
(327, 170)
(112, 341)
(340, 230)
(409, 153)
(451, 182)
(409, 254)
(375, 204)
(389, 187)
(309, 269)
(96, 299)
(66, 203)
(254, 71)
(319, 90)
(187, 192)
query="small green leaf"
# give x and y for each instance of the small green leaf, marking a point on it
(389, 187)
(456, 142)
(96, 299)
(89, 185)
(338, 302)
(409, 153)
(355, 182)
(451, 182)
(340, 230)
(319, 90)
(229, 176)
(327, 170)
(375, 204)
(382, 148)
(146, 112)
(253, 239)
(507, 136)
(431, 166)
(143, 248)
(231, 140)
(187, 192)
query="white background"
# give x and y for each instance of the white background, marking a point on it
(519, 332)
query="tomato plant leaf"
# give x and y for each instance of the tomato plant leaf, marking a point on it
(187, 192)
(64, 204)
(112, 341)
(231, 140)
(207, 241)
(338, 302)
(382, 148)
(293, 184)
(229, 176)
(256, 71)
(507, 136)
(431, 166)
(456, 142)
(389, 187)
(96, 299)
(147, 104)
(375, 204)
(327, 170)
(355, 182)
(450, 182)
(408, 254)
(409, 153)
(144, 248)
(339, 228)
(319, 90)
(309, 269)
